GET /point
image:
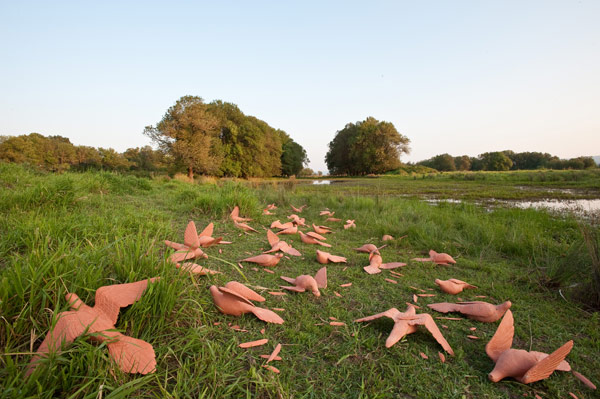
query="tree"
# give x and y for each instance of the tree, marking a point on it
(366, 147)
(495, 161)
(462, 162)
(190, 133)
(293, 157)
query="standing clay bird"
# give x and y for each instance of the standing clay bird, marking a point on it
(326, 257)
(321, 229)
(235, 215)
(234, 299)
(279, 245)
(477, 310)
(244, 227)
(349, 224)
(299, 210)
(308, 239)
(438, 258)
(525, 367)
(131, 355)
(376, 264)
(407, 323)
(265, 260)
(453, 286)
(306, 282)
(190, 248)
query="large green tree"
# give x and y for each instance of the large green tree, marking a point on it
(369, 146)
(293, 156)
(190, 133)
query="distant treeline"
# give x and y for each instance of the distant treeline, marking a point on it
(214, 139)
(506, 160)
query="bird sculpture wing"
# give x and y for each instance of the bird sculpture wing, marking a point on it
(546, 366)
(190, 237)
(175, 245)
(469, 308)
(293, 288)
(69, 325)
(227, 291)
(321, 278)
(292, 251)
(111, 298)
(132, 355)
(391, 313)
(288, 279)
(503, 338)
(272, 237)
(392, 265)
(316, 236)
(267, 315)
(235, 212)
(426, 320)
(208, 230)
(398, 331)
(244, 291)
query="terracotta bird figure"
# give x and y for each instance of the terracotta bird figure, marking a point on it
(477, 310)
(326, 257)
(235, 215)
(299, 210)
(205, 237)
(525, 367)
(289, 230)
(368, 248)
(407, 323)
(279, 245)
(321, 229)
(190, 248)
(196, 269)
(326, 213)
(234, 299)
(453, 286)
(306, 282)
(349, 224)
(278, 225)
(308, 239)
(265, 260)
(244, 227)
(438, 258)
(297, 220)
(376, 264)
(131, 355)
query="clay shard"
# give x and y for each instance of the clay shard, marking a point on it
(406, 323)
(254, 343)
(477, 310)
(306, 282)
(232, 302)
(453, 286)
(326, 257)
(305, 238)
(274, 353)
(526, 367)
(130, 354)
(265, 259)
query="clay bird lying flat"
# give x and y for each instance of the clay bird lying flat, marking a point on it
(453, 286)
(321, 229)
(407, 323)
(306, 282)
(326, 257)
(289, 230)
(265, 260)
(131, 355)
(190, 248)
(205, 237)
(196, 269)
(299, 210)
(368, 248)
(308, 239)
(234, 299)
(438, 258)
(326, 213)
(278, 225)
(278, 245)
(297, 220)
(477, 310)
(525, 367)
(376, 264)
(244, 227)
(349, 224)
(235, 215)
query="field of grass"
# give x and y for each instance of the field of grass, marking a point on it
(78, 232)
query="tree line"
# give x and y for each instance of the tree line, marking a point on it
(215, 139)
(506, 160)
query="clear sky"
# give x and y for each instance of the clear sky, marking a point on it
(462, 77)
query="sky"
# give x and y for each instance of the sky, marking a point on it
(457, 77)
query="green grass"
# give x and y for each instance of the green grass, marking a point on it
(77, 232)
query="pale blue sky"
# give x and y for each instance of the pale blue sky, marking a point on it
(462, 77)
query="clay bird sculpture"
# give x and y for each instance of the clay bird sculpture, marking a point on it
(196, 269)
(407, 323)
(271, 206)
(306, 282)
(326, 213)
(349, 224)
(453, 286)
(525, 367)
(130, 354)
(299, 209)
(289, 230)
(297, 220)
(368, 248)
(321, 229)
(326, 257)
(190, 248)
(205, 237)
(331, 219)
(234, 299)
(438, 258)
(265, 260)
(266, 211)
(376, 263)
(279, 245)
(477, 310)
(387, 237)
(244, 227)
(278, 225)
(308, 239)
(235, 216)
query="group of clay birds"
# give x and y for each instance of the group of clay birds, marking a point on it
(136, 356)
